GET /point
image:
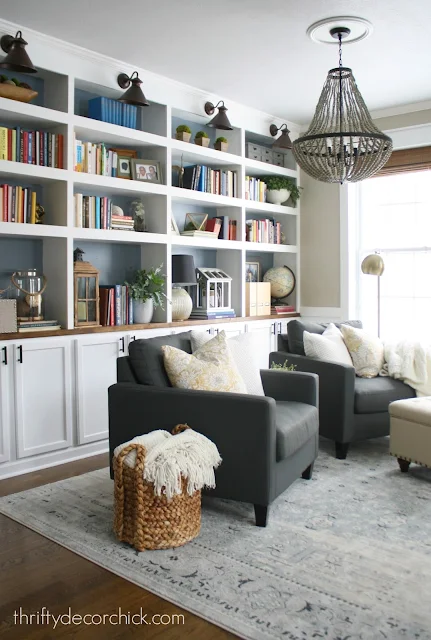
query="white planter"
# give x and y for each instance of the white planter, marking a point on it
(277, 196)
(143, 311)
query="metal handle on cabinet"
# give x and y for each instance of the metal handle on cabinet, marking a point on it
(122, 349)
(132, 338)
(4, 349)
(20, 353)
(274, 324)
(279, 327)
(216, 331)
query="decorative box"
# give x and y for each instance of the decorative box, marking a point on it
(8, 322)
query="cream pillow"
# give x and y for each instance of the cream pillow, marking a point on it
(366, 350)
(210, 368)
(242, 347)
(328, 346)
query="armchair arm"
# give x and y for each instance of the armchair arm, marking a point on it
(242, 426)
(336, 393)
(291, 385)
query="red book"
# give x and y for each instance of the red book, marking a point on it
(214, 224)
(25, 147)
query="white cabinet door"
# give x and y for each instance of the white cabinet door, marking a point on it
(43, 395)
(264, 341)
(6, 363)
(96, 369)
(230, 329)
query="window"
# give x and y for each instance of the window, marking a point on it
(395, 220)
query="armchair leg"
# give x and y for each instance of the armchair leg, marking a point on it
(404, 465)
(308, 473)
(261, 514)
(341, 449)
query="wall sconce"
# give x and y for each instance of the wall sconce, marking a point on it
(220, 121)
(283, 142)
(134, 94)
(17, 57)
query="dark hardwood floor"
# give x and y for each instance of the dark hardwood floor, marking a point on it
(37, 573)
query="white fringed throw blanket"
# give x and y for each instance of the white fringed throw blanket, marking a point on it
(188, 454)
(409, 362)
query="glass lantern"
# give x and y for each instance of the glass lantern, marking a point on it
(29, 286)
(86, 294)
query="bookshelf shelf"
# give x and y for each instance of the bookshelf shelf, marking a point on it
(96, 131)
(265, 208)
(257, 168)
(13, 112)
(104, 185)
(188, 196)
(194, 154)
(206, 243)
(32, 230)
(24, 172)
(271, 248)
(112, 235)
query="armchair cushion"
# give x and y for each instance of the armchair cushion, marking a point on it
(373, 395)
(146, 357)
(295, 331)
(296, 423)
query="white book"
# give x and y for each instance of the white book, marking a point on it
(78, 210)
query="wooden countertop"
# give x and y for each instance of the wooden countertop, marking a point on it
(138, 327)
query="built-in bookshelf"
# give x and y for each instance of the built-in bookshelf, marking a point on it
(61, 111)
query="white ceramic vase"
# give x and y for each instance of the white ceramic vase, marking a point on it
(277, 196)
(143, 311)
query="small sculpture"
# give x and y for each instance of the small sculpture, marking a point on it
(137, 211)
(117, 211)
(40, 212)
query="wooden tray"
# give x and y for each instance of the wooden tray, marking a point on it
(16, 93)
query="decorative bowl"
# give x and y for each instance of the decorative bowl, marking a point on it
(16, 93)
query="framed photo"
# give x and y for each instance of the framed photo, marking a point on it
(146, 170)
(123, 168)
(252, 272)
(174, 227)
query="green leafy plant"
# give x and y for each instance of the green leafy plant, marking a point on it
(283, 367)
(183, 128)
(148, 285)
(201, 134)
(275, 183)
(221, 139)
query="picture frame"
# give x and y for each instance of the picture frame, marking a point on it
(123, 168)
(146, 170)
(252, 272)
(174, 227)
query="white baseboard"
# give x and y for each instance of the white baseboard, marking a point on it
(321, 314)
(27, 465)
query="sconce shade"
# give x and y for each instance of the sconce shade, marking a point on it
(283, 142)
(183, 270)
(17, 58)
(373, 265)
(134, 94)
(220, 121)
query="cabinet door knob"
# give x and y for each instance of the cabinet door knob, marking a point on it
(20, 353)
(4, 349)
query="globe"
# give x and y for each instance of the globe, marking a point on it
(282, 281)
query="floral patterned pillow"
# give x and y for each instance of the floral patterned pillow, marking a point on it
(366, 351)
(210, 368)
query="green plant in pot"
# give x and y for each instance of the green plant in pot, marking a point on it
(147, 292)
(279, 189)
(184, 133)
(202, 139)
(221, 144)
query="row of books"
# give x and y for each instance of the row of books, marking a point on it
(112, 111)
(95, 212)
(95, 158)
(116, 305)
(216, 181)
(267, 230)
(255, 189)
(17, 204)
(228, 228)
(26, 326)
(212, 314)
(280, 309)
(32, 147)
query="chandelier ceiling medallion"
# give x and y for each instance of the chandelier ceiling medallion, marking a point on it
(342, 143)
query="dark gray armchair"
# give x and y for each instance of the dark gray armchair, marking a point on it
(266, 442)
(350, 408)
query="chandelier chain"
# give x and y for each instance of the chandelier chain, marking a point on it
(340, 61)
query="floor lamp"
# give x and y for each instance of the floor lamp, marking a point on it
(373, 265)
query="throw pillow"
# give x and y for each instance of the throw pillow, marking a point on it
(366, 350)
(210, 368)
(242, 347)
(328, 346)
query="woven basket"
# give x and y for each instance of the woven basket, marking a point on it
(145, 520)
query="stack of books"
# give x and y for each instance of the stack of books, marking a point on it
(17, 204)
(32, 147)
(112, 111)
(279, 309)
(25, 326)
(216, 181)
(122, 223)
(255, 189)
(216, 314)
(198, 233)
(116, 305)
(93, 212)
(267, 230)
(95, 158)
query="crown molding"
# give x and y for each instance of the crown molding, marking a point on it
(401, 109)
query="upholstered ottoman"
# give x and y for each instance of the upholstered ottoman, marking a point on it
(411, 431)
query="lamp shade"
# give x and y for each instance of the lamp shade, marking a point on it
(284, 141)
(134, 94)
(183, 270)
(220, 121)
(17, 58)
(373, 265)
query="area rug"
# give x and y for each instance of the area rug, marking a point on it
(346, 556)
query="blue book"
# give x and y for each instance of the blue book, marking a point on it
(98, 212)
(133, 116)
(117, 305)
(120, 111)
(125, 115)
(130, 307)
(201, 182)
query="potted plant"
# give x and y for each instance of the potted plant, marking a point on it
(202, 139)
(147, 293)
(184, 133)
(221, 144)
(280, 188)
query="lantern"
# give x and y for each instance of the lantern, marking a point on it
(86, 292)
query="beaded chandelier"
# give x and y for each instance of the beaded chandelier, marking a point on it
(342, 144)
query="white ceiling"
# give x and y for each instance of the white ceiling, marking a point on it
(252, 51)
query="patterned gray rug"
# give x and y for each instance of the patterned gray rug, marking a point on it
(346, 556)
